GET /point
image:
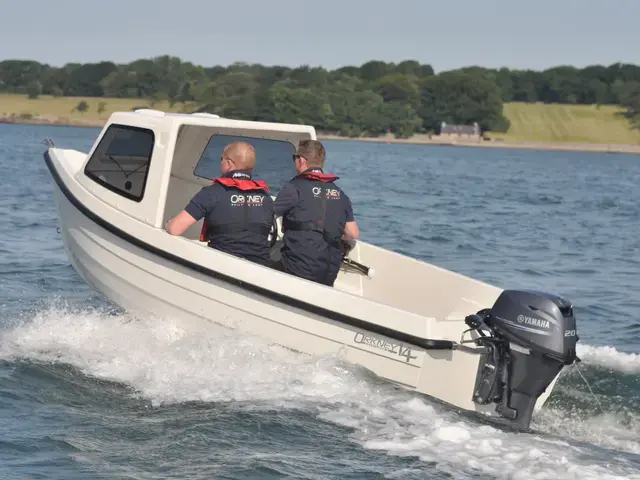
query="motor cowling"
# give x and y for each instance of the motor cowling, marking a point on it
(539, 321)
(532, 336)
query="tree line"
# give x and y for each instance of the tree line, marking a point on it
(371, 99)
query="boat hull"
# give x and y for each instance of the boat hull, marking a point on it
(145, 283)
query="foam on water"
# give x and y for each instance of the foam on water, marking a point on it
(609, 357)
(608, 429)
(170, 361)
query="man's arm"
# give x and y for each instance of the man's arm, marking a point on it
(287, 198)
(199, 206)
(351, 230)
(180, 223)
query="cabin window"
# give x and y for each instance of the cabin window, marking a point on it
(274, 160)
(121, 160)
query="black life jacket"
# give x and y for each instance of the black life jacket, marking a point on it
(314, 228)
(317, 223)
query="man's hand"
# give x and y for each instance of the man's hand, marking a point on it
(346, 246)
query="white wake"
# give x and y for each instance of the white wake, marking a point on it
(170, 361)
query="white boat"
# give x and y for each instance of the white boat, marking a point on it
(461, 341)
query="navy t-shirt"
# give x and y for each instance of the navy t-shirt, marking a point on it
(222, 206)
(203, 202)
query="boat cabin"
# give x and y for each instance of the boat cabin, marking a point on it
(154, 162)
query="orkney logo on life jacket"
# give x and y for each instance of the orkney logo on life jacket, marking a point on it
(319, 176)
(252, 200)
(330, 193)
(241, 182)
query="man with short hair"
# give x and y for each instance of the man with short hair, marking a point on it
(238, 211)
(317, 217)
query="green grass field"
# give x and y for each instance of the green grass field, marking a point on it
(529, 122)
(64, 107)
(567, 123)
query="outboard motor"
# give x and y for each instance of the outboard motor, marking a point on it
(531, 336)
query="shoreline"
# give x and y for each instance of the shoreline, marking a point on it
(419, 139)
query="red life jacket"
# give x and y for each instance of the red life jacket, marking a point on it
(242, 183)
(239, 183)
(319, 176)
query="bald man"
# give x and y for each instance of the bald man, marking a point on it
(238, 211)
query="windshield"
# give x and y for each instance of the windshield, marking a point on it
(274, 159)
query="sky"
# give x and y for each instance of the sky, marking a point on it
(446, 34)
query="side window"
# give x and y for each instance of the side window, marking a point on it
(121, 160)
(274, 159)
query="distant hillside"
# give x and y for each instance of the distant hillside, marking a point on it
(530, 122)
(405, 99)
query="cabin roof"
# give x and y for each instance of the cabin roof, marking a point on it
(165, 120)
